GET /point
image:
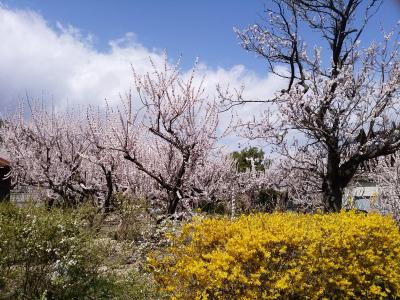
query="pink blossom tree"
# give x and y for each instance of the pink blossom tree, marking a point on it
(341, 102)
(385, 173)
(56, 152)
(45, 151)
(169, 133)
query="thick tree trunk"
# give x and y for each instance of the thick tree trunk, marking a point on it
(174, 198)
(332, 194)
(332, 187)
(282, 201)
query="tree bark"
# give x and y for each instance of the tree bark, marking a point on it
(332, 186)
(107, 200)
(332, 194)
(173, 201)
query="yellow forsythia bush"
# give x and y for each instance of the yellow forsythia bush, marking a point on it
(283, 256)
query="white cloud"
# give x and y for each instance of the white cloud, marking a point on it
(42, 62)
(37, 60)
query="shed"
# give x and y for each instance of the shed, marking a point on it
(362, 195)
(5, 180)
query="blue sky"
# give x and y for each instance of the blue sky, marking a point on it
(191, 28)
(46, 52)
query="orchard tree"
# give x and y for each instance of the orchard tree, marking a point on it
(44, 151)
(341, 100)
(110, 173)
(385, 173)
(117, 174)
(60, 154)
(297, 175)
(168, 133)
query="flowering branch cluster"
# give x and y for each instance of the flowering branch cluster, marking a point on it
(161, 143)
(341, 112)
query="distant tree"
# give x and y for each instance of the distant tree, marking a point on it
(248, 156)
(59, 153)
(385, 173)
(254, 179)
(45, 150)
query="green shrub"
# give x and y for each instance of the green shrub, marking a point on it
(45, 252)
(52, 254)
(135, 222)
(283, 256)
(135, 285)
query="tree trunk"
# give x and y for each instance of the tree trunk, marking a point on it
(282, 201)
(332, 187)
(174, 199)
(107, 200)
(332, 194)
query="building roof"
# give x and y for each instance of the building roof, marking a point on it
(4, 163)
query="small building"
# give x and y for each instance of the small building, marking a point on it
(362, 195)
(5, 180)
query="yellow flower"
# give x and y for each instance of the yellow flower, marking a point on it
(282, 255)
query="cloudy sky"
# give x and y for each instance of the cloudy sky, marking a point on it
(80, 52)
